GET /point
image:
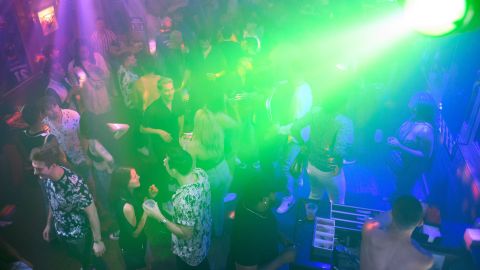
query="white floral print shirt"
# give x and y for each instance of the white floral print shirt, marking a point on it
(191, 204)
(67, 135)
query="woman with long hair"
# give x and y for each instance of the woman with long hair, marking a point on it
(89, 72)
(207, 150)
(130, 216)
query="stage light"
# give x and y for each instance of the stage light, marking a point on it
(440, 17)
(342, 67)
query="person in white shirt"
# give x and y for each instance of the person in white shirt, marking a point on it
(104, 39)
(90, 73)
(191, 222)
(64, 124)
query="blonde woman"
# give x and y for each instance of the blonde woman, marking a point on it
(207, 150)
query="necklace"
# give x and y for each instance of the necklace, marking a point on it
(255, 213)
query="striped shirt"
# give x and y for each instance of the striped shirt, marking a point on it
(102, 41)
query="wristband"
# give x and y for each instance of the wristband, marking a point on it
(97, 241)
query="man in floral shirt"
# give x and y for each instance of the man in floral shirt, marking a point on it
(64, 124)
(71, 207)
(127, 78)
(191, 225)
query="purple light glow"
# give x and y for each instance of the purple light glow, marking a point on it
(87, 14)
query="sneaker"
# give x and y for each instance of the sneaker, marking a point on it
(115, 235)
(287, 203)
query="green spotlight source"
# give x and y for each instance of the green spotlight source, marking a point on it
(435, 17)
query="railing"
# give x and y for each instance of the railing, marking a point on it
(17, 94)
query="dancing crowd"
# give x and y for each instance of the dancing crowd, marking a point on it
(145, 139)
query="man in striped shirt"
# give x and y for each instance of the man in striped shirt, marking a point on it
(103, 39)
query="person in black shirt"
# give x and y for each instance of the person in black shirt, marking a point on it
(36, 134)
(412, 147)
(230, 48)
(204, 74)
(173, 54)
(130, 216)
(163, 119)
(255, 238)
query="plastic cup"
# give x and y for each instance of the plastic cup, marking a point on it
(311, 210)
(149, 203)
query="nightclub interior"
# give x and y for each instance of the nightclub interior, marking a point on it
(240, 134)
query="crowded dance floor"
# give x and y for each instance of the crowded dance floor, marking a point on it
(240, 134)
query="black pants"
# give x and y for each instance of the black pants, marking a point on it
(81, 249)
(181, 265)
(405, 183)
(134, 259)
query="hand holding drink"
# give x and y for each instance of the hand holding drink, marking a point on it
(150, 207)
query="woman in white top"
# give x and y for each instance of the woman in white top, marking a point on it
(90, 73)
